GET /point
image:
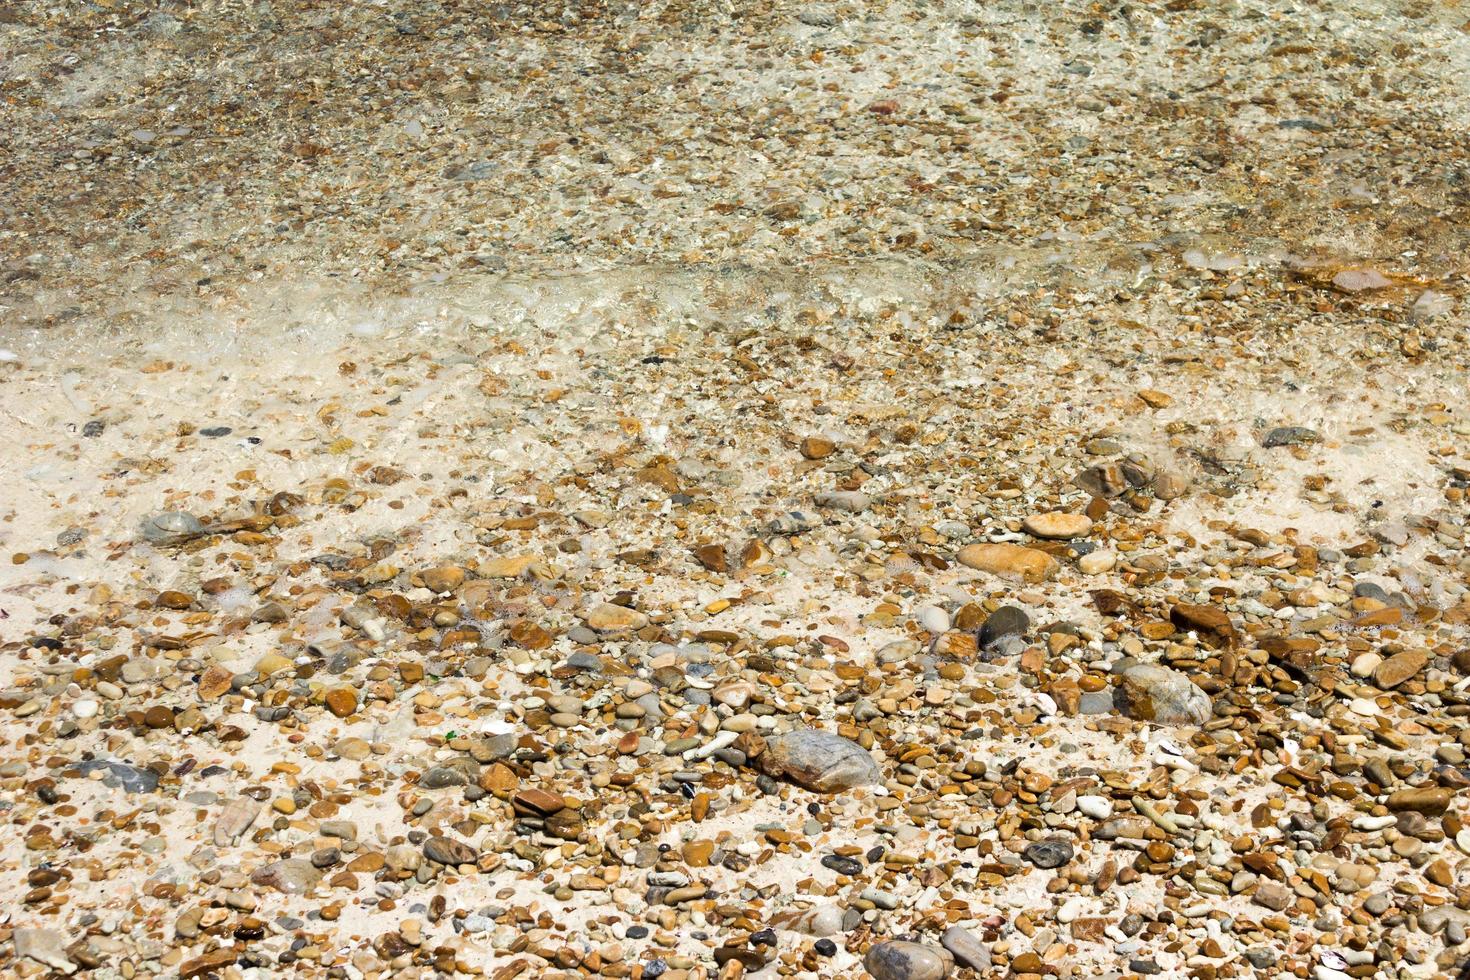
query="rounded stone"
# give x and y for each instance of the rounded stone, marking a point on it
(819, 761)
(908, 961)
(1058, 525)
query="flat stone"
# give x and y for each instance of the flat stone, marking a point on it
(1148, 692)
(120, 775)
(1211, 623)
(234, 819)
(1428, 800)
(214, 682)
(443, 578)
(1005, 621)
(1290, 435)
(1048, 854)
(908, 961)
(507, 566)
(848, 501)
(1097, 562)
(1399, 668)
(819, 761)
(1057, 525)
(171, 527)
(1009, 561)
(341, 701)
(444, 850)
(817, 447)
(610, 618)
(1273, 896)
(1104, 481)
(967, 948)
(45, 946)
(1361, 279)
(1169, 484)
(210, 963)
(538, 801)
(293, 876)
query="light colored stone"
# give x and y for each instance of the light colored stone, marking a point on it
(45, 946)
(1009, 561)
(908, 961)
(1058, 525)
(609, 618)
(819, 761)
(1149, 692)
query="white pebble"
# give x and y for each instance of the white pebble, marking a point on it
(84, 709)
(1365, 664)
(1071, 911)
(934, 619)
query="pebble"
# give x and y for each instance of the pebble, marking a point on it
(1149, 692)
(1399, 668)
(1049, 853)
(1005, 621)
(907, 961)
(45, 946)
(1290, 435)
(234, 819)
(171, 527)
(966, 948)
(819, 761)
(293, 876)
(1057, 525)
(1097, 562)
(608, 618)
(1010, 561)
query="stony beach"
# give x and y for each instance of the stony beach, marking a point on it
(700, 491)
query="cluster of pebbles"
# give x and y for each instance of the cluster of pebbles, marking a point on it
(816, 491)
(816, 651)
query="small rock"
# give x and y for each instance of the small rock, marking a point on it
(1058, 525)
(967, 948)
(1271, 895)
(1051, 853)
(444, 578)
(817, 447)
(610, 618)
(1399, 668)
(1211, 622)
(1360, 279)
(234, 820)
(1009, 561)
(1169, 484)
(1290, 435)
(1428, 800)
(1005, 621)
(45, 946)
(1104, 481)
(908, 961)
(848, 501)
(120, 775)
(293, 876)
(819, 761)
(1148, 692)
(215, 682)
(171, 527)
(341, 701)
(443, 850)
